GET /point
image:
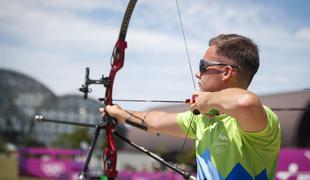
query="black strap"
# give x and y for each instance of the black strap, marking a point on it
(137, 125)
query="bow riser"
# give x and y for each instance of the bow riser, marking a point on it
(110, 153)
(117, 64)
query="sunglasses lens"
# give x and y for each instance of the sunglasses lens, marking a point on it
(202, 66)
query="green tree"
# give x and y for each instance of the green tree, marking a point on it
(72, 140)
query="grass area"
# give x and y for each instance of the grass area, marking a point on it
(8, 166)
(9, 169)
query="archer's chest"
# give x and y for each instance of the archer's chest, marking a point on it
(219, 135)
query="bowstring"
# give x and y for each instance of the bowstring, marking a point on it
(185, 43)
(191, 71)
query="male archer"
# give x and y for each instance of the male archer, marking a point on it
(242, 140)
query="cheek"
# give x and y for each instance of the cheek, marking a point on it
(208, 84)
(207, 79)
(203, 83)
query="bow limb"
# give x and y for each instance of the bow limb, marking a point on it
(117, 62)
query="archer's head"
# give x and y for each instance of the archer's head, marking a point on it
(230, 61)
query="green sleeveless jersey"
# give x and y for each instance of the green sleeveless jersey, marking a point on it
(225, 151)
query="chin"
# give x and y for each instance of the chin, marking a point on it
(204, 89)
(209, 90)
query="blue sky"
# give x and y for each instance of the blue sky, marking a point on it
(53, 41)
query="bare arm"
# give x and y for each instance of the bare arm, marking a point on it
(241, 104)
(155, 121)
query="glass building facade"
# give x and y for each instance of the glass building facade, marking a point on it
(22, 97)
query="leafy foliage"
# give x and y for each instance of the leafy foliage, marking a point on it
(72, 140)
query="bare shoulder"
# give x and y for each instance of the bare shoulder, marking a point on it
(250, 112)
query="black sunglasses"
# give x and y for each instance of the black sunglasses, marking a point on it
(204, 64)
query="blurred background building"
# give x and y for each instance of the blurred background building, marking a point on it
(22, 97)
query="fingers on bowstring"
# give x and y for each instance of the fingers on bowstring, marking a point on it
(195, 97)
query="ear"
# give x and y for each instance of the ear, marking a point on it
(227, 73)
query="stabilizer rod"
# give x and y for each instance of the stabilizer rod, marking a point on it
(186, 175)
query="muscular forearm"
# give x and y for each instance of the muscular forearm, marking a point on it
(163, 122)
(151, 121)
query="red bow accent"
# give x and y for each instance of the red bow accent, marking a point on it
(118, 56)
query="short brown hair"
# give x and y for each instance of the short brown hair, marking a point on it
(241, 50)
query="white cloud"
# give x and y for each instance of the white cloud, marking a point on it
(303, 34)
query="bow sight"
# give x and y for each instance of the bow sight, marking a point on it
(85, 89)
